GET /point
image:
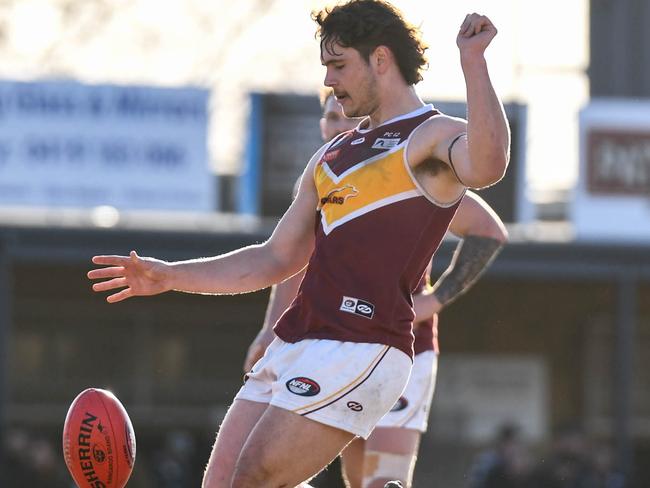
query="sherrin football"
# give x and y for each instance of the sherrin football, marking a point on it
(98, 440)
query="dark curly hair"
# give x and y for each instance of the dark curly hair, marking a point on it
(366, 24)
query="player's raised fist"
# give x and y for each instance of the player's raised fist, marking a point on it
(475, 34)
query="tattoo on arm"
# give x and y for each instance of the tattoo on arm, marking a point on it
(472, 257)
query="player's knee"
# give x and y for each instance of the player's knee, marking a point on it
(218, 472)
(382, 467)
(252, 472)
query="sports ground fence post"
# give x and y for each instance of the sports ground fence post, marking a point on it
(5, 325)
(624, 372)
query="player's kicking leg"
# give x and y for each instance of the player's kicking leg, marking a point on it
(240, 420)
(322, 393)
(233, 433)
(285, 449)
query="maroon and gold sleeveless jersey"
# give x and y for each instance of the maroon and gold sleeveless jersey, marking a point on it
(376, 232)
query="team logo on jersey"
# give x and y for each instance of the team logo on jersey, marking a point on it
(385, 143)
(303, 386)
(357, 307)
(400, 404)
(358, 141)
(338, 196)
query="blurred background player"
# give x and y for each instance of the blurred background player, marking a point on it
(391, 450)
(505, 464)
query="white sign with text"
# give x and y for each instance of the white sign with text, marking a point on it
(65, 144)
(612, 197)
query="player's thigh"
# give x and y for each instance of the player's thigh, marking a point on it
(235, 429)
(352, 462)
(390, 454)
(285, 449)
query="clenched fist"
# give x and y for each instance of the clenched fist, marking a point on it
(475, 34)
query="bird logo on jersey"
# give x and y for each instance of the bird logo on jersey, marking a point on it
(338, 196)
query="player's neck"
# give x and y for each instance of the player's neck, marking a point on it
(395, 103)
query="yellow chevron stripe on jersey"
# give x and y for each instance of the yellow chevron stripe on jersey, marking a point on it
(369, 185)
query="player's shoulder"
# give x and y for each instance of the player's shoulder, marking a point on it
(439, 121)
(439, 127)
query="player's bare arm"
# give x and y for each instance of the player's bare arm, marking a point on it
(483, 235)
(477, 151)
(248, 269)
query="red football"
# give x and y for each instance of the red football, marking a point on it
(98, 440)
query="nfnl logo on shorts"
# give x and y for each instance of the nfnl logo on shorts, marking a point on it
(358, 307)
(303, 386)
(383, 143)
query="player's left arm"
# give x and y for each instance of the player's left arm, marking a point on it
(476, 150)
(482, 236)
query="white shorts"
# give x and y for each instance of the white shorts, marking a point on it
(412, 409)
(346, 385)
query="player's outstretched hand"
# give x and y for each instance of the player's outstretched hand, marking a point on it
(475, 34)
(136, 275)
